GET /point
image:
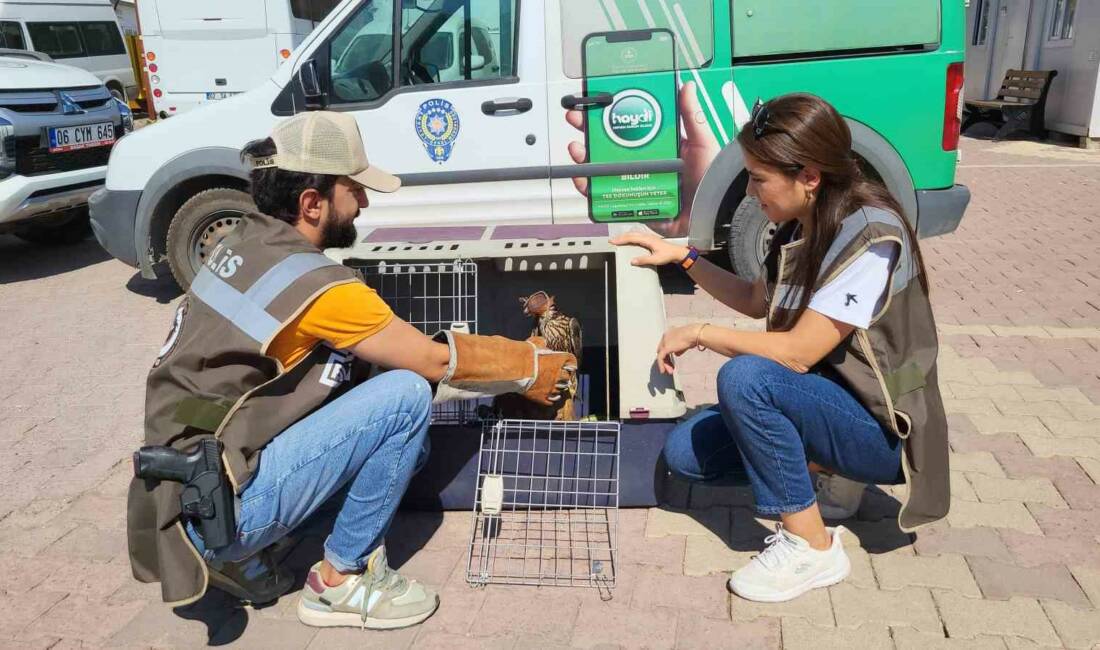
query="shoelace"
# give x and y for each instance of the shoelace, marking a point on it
(387, 579)
(779, 548)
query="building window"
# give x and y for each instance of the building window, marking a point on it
(1061, 24)
(981, 22)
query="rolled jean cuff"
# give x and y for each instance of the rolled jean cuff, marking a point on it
(342, 565)
(784, 509)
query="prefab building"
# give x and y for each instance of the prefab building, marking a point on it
(1062, 35)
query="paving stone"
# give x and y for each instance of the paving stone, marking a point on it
(1080, 495)
(459, 606)
(20, 610)
(1001, 581)
(911, 606)
(270, 635)
(1067, 395)
(89, 543)
(664, 523)
(1077, 447)
(862, 574)
(618, 624)
(528, 610)
(965, 514)
(995, 392)
(158, 625)
(1078, 628)
(1040, 550)
(981, 462)
(971, 406)
(906, 638)
(1088, 578)
(999, 443)
(445, 641)
(93, 580)
(813, 606)
(967, 618)
(707, 555)
(340, 638)
(1091, 467)
(709, 496)
(1005, 378)
(1042, 410)
(877, 536)
(992, 489)
(994, 424)
(86, 619)
(1054, 468)
(1062, 427)
(798, 634)
(1085, 523)
(1084, 411)
(981, 542)
(19, 575)
(706, 596)
(31, 541)
(948, 572)
(694, 631)
(961, 487)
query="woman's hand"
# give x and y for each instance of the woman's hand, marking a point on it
(660, 251)
(675, 342)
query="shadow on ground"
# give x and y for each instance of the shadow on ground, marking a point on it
(21, 261)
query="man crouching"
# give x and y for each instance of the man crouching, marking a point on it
(268, 354)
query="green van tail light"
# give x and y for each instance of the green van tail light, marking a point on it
(952, 112)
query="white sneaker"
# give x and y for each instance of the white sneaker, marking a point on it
(838, 497)
(789, 567)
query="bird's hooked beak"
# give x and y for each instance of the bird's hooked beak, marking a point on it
(536, 304)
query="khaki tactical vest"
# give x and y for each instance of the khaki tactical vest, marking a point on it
(889, 367)
(213, 377)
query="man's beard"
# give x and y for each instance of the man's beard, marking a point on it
(338, 234)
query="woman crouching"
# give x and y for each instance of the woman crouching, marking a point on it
(843, 382)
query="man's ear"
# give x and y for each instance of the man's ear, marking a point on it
(309, 205)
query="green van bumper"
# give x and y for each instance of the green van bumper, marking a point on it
(940, 211)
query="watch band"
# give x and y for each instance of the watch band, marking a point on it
(691, 259)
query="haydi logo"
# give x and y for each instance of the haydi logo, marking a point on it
(633, 119)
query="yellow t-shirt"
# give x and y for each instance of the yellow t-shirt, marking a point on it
(342, 317)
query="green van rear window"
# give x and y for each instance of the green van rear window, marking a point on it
(778, 28)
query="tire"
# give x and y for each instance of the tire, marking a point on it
(198, 225)
(70, 232)
(118, 94)
(750, 236)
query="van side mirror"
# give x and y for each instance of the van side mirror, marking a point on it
(477, 62)
(310, 81)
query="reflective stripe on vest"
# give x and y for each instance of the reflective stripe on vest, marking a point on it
(247, 311)
(283, 274)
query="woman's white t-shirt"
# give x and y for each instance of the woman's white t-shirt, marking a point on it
(859, 292)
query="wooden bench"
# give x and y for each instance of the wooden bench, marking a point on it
(1020, 105)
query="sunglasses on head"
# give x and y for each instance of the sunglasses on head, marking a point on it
(760, 117)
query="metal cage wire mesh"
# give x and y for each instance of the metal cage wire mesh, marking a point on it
(431, 296)
(545, 509)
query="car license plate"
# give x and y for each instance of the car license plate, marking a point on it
(215, 96)
(69, 138)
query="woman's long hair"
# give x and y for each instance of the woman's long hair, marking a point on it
(803, 130)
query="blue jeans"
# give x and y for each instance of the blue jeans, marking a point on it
(362, 447)
(769, 422)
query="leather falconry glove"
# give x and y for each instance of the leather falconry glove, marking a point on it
(483, 366)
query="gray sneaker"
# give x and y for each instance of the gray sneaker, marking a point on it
(377, 599)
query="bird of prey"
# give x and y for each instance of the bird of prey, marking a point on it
(561, 333)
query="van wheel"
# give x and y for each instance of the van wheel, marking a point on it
(66, 233)
(750, 236)
(198, 225)
(117, 94)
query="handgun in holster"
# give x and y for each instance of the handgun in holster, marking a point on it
(207, 496)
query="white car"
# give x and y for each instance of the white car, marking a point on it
(58, 125)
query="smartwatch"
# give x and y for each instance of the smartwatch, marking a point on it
(691, 259)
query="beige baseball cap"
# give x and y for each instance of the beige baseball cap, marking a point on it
(325, 142)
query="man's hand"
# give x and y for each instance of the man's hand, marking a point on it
(698, 149)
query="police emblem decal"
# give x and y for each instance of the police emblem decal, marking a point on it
(174, 334)
(437, 125)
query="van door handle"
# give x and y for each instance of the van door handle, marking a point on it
(511, 106)
(584, 102)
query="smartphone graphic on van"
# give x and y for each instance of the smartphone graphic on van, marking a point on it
(637, 70)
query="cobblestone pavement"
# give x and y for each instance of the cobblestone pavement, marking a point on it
(1016, 564)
